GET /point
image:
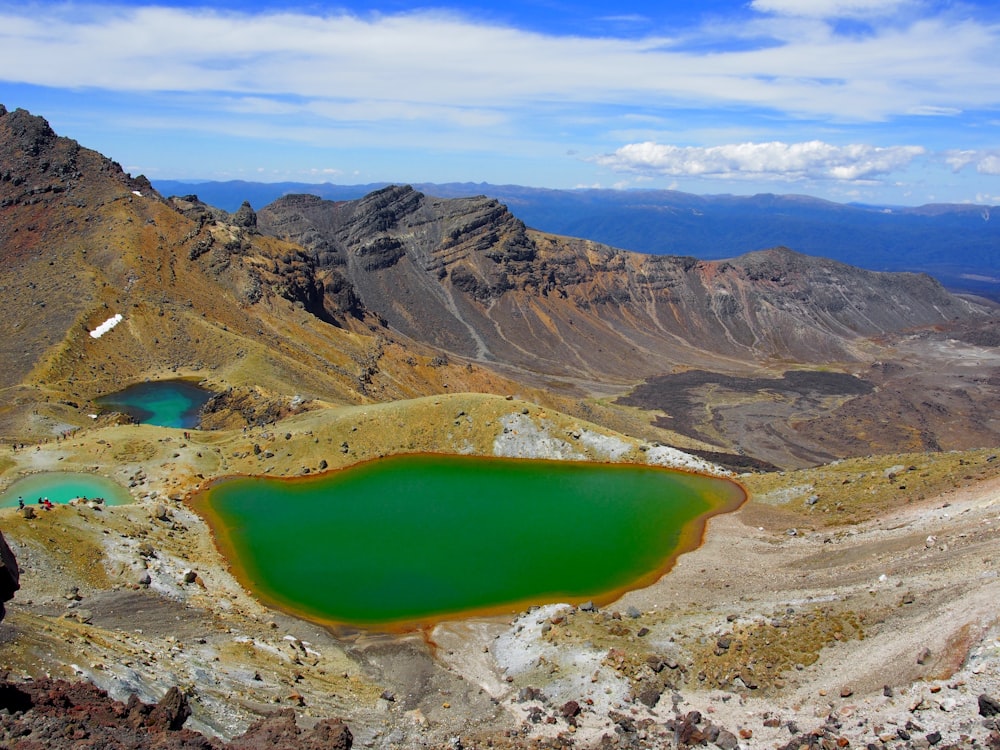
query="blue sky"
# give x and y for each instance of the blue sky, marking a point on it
(887, 101)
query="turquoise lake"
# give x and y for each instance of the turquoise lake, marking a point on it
(63, 486)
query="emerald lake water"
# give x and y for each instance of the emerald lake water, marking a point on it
(166, 403)
(417, 538)
(63, 486)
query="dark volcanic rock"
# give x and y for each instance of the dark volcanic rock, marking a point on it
(171, 712)
(245, 216)
(168, 715)
(679, 395)
(988, 706)
(570, 709)
(46, 713)
(279, 732)
(9, 574)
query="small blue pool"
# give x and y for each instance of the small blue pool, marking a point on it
(165, 403)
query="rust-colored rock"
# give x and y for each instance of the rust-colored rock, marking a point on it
(46, 713)
(280, 732)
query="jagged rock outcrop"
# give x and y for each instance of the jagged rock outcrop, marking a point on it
(9, 574)
(237, 257)
(38, 167)
(245, 217)
(468, 276)
(280, 732)
(44, 713)
(236, 407)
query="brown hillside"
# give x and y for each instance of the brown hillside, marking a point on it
(81, 241)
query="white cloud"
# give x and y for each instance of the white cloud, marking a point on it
(773, 160)
(985, 162)
(928, 110)
(989, 164)
(829, 8)
(431, 65)
(767, 79)
(959, 160)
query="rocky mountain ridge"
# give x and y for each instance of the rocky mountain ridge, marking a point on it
(201, 294)
(467, 276)
(953, 242)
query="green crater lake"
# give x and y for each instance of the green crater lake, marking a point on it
(165, 403)
(63, 486)
(417, 538)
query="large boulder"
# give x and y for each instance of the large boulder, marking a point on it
(9, 574)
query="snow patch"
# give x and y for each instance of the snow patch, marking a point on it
(106, 326)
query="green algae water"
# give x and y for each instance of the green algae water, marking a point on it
(418, 538)
(63, 486)
(165, 403)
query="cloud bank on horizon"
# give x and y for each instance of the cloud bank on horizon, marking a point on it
(893, 101)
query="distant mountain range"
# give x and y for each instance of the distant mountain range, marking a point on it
(401, 294)
(957, 243)
(467, 276)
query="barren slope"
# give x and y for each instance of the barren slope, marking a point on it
(199, 296)
(466, 275)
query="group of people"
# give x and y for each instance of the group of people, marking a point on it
(43, 501)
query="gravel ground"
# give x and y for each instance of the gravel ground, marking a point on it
(856, 618)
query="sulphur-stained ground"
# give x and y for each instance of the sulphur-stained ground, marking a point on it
(852, 604)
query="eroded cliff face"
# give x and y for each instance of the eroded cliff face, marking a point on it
(468, 276)
(415, 262)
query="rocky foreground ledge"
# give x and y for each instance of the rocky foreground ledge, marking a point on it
(849, 605)
(45, 713)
